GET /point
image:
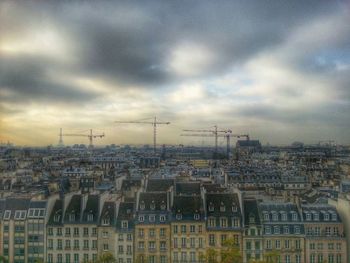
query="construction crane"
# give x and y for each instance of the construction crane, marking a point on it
(227, 135)
(60, 141)
(91, 136)
(154, 123)
(212, 133)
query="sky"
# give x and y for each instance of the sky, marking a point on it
(278, 70)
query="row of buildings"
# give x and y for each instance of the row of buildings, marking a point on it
(167, 220)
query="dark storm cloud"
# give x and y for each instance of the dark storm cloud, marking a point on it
(26, 78)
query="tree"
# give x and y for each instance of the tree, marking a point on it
(210, 256)
(230, 252)
(272, 257)
(106, 258)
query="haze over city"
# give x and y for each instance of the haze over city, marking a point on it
(278, 70)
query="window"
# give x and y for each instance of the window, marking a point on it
(223, 222)
(86, 244)
(162, 218)
(234, 208)
(76, 231)
(334, 218)
(141, 218)
(76, 244)
(211, 222)
(142, 205)
(294, 216)
(105, 221)
(67, 245)
(268, 244)
(236, 222)
(72, 217)
(175, 229)
(325, 216)
(277, 244)
(183, 229)
(57, 218)
(297, 229)
(163, 206)
(316, 216)
(275, 216)
(20, 215)
(286, 230)
(105, 247)
(211, 207)
(162, 232)
(222, 207)
(178, 216)
(196, 216)
(268, 230)
(153, 206)
(86, 231)
(67, 231)
(286, 244)
(308, 217)
(124, 224)
(211, 240)
(90, 217)
(284, 216)
(152, 232)
(266, 216)
(276, 229)
(192, 228)
(141, 232)
(59, 231)
(152, 218)
(7, 215)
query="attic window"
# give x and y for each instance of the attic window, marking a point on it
(57, 218)
(20, 215)
(234, 208)
(334, 216)
(294, 216)
(153, 206)
(124, 224)
(196, 216)
(72, 217)
(222, 207)
(252, 219)
(105, 221)
(308, 216)
(275, 216)
(142, 205)
(90, 217)
(7, 214)
(266, 216)
(284, 216)
(211, 207)
(316, 216)
(163, 206)
(178, 216)
(326, 216)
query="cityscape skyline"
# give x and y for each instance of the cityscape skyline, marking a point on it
(278, 71)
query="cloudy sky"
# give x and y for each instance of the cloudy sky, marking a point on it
(278, 70)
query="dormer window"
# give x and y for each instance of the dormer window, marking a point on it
(234, 208)
(294, 216)
(196, 216)
(178, 216)
(284, 216)
(7, 215)
(334, 217)
(105, 221)
(308, 216)
(266, 216)
(142, 205)
(286, 230)
(72, 217)
(57, 218)
(211, 207)
(152, 218)
(252, 219)
(222, 207)
(162, 218)
(124, 224)
(275, 216)
(90, 217)
(153, 206)
(326, 217)
(141, 218)
(316, 216)
(163, 206)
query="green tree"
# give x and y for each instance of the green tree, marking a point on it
(210, 256)
(272, 257)
(230, 252)
(106, 258)
(3, 259)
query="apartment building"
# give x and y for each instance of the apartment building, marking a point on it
(224, 220)
(324, 234)
(283, 231)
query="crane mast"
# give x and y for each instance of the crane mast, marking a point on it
(90, 136)
(154, 123)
